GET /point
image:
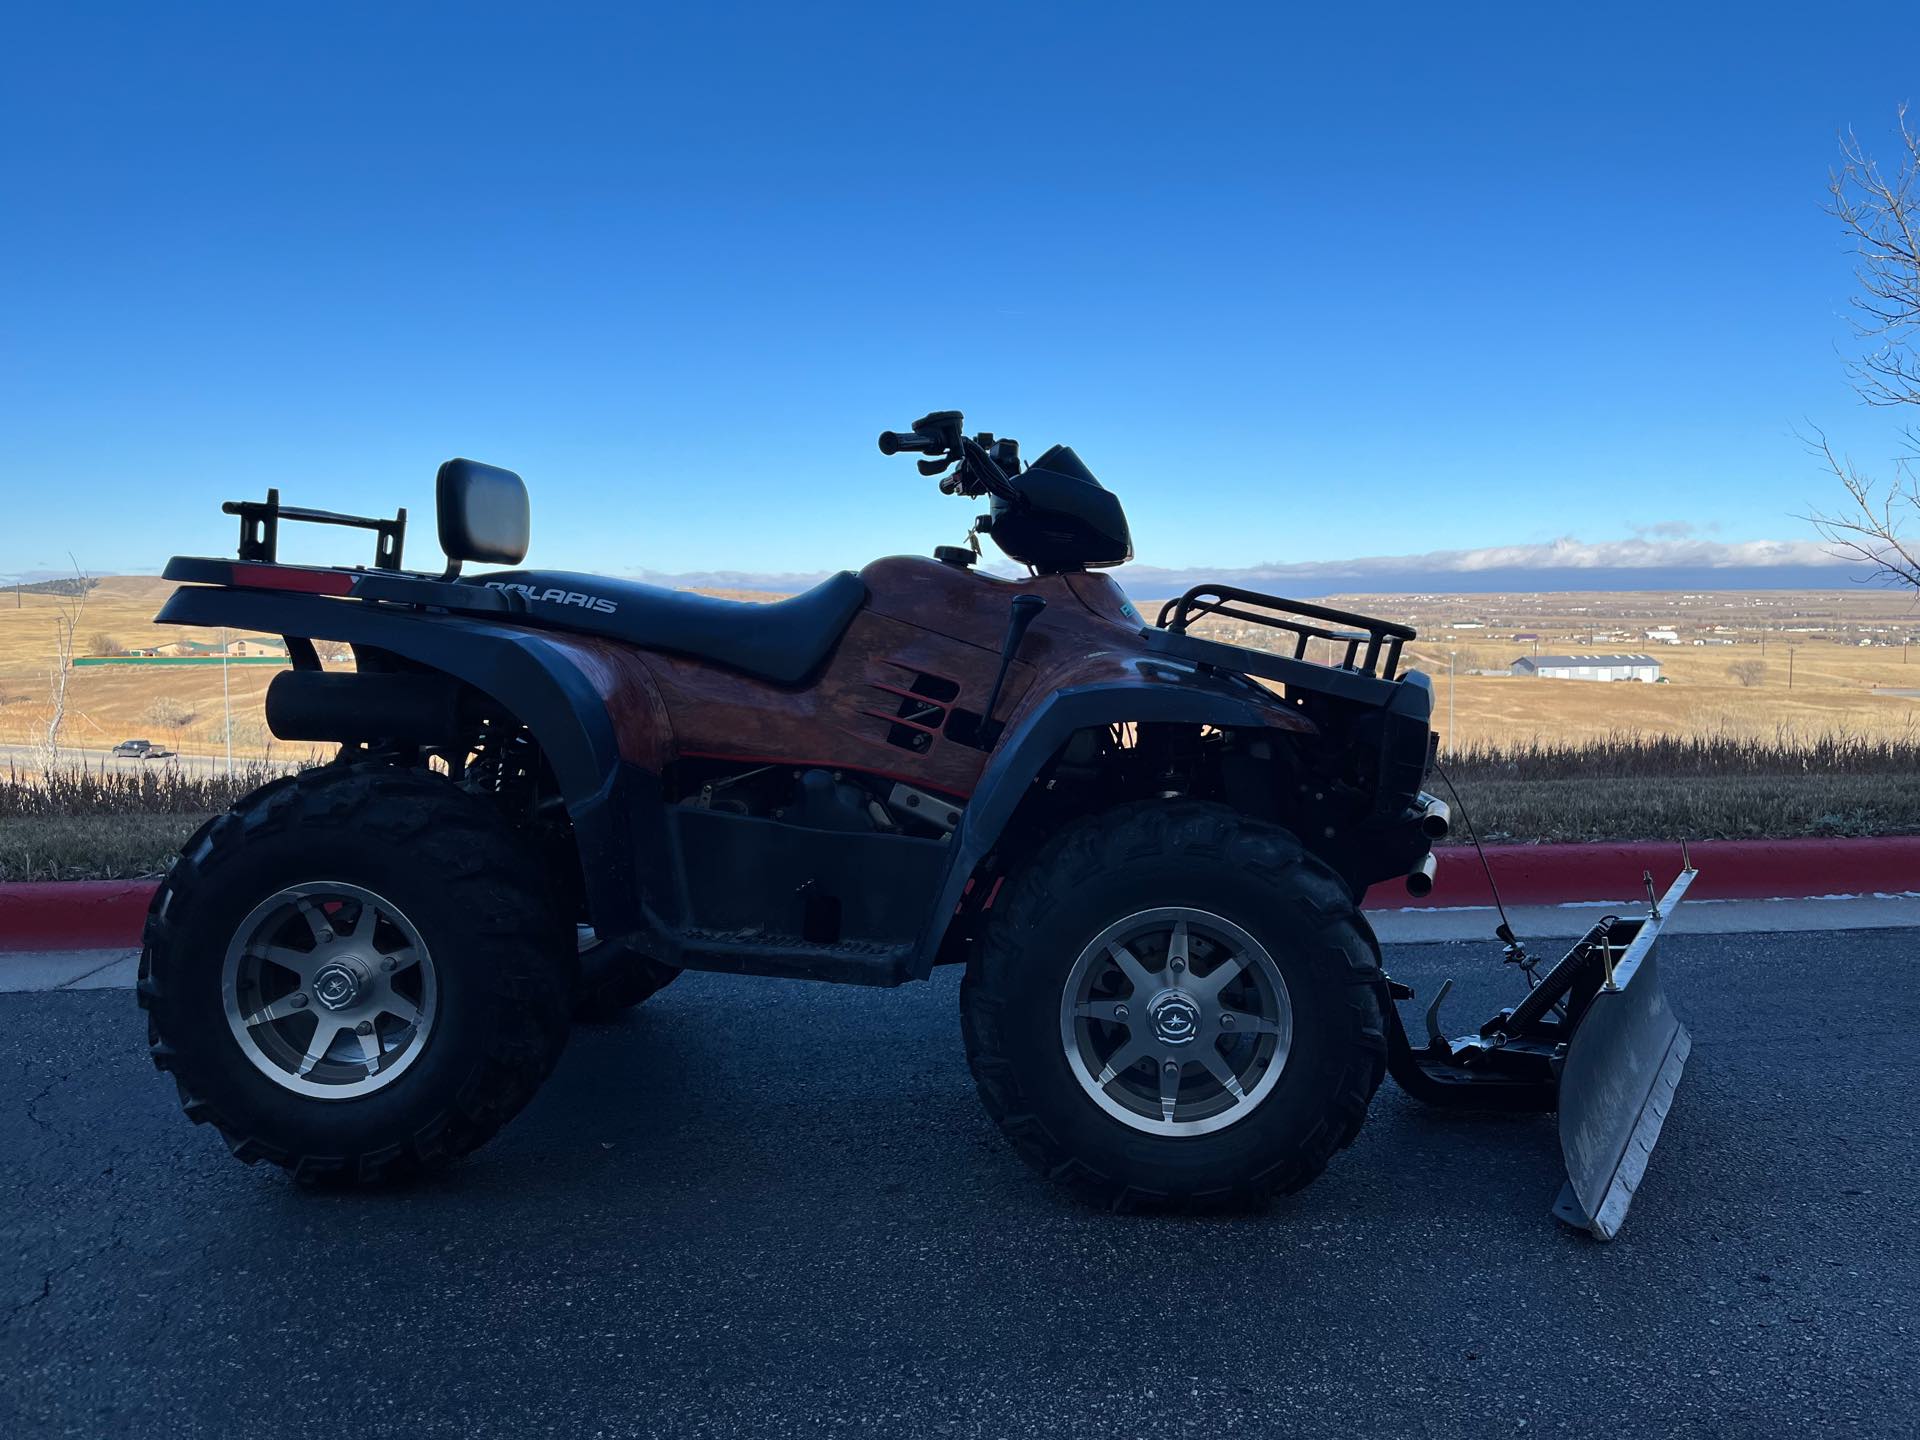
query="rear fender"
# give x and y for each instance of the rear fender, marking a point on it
(1145, 691)
(518, 670)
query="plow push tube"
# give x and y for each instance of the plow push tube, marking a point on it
(1618, 1079)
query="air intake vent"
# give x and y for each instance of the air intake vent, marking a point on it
(920, 709)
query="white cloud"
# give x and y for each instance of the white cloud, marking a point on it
(1645, 551)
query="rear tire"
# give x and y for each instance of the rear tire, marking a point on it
(262, 916)
(1078, 972)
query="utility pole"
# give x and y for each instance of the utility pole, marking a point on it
(226, 698)
(1451, 748)
(1790, 650)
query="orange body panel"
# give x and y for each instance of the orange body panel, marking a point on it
(923, 618)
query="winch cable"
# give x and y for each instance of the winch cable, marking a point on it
(1516, 952)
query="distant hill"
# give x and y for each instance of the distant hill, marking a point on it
(68, 585)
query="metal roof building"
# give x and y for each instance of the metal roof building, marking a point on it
(1589, 667)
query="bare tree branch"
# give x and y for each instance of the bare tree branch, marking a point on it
(1880, 215)
(68, 607)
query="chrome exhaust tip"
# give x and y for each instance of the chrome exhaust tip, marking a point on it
(1436, 818)
(1420, 878)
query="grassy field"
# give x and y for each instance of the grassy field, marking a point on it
(1773, 729)
(1813, 635)
(1811, 676)
(108, 704)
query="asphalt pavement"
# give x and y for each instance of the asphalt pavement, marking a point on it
(762, 1208)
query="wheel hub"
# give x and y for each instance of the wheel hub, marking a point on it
(339, 983)
(1176, 1021)
(329, 990)
(1176, 1017)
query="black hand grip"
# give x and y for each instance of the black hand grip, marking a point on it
(892, 442)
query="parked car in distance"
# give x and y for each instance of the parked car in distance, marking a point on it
(140, 750)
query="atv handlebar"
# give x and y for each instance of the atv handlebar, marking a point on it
(979, 469)
(892, 442)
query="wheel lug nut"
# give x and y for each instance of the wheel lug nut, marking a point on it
(389, 963)
(1226, 1022)
(299, 1002)
(365, 1027)
(1178, 966)
(1172, 1068)
(1119, 1012)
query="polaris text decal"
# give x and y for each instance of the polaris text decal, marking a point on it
(558, 597)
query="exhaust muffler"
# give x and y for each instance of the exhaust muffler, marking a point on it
(407, 709)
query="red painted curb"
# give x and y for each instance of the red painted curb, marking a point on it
(107, 914)
(74, 914)
(1729, 870)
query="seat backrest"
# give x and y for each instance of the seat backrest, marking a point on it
(482, 512)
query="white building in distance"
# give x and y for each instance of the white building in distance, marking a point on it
(1589, 667)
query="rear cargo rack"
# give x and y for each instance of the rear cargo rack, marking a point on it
(260, 529)
(1372, 646)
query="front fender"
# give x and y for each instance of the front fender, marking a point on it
(1135, 690)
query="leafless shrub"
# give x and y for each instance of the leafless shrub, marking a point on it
(171, 715)
(1750, 673)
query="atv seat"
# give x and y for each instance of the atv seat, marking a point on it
(783, 641)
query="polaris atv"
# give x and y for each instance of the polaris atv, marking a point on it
(555, 792)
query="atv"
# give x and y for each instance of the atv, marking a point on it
(555, 792)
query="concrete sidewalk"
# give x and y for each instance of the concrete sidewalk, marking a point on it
(1694, 917)
(22, 970)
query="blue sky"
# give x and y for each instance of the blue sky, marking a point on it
(1299, 286)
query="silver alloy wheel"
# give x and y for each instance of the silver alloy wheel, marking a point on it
(329, 990)
(1176, 1021)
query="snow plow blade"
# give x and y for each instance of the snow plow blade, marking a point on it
(1594, 1038)
(1617, 1081)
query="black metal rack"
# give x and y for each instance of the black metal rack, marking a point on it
(1372, 646)
(260, 529)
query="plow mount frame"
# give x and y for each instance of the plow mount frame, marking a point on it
(1593, 1038)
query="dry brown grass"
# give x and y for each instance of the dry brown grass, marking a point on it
(85, 823)
(92, 847)
(108, 704)
(1695, 787)
(1832, 693)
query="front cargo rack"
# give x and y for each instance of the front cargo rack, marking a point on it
(1372, 646)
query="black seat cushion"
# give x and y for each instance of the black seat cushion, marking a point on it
(783, 641)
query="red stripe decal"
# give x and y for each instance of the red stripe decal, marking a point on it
(288, 577)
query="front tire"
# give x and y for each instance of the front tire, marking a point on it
(1176, 1007)
(355, 974)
